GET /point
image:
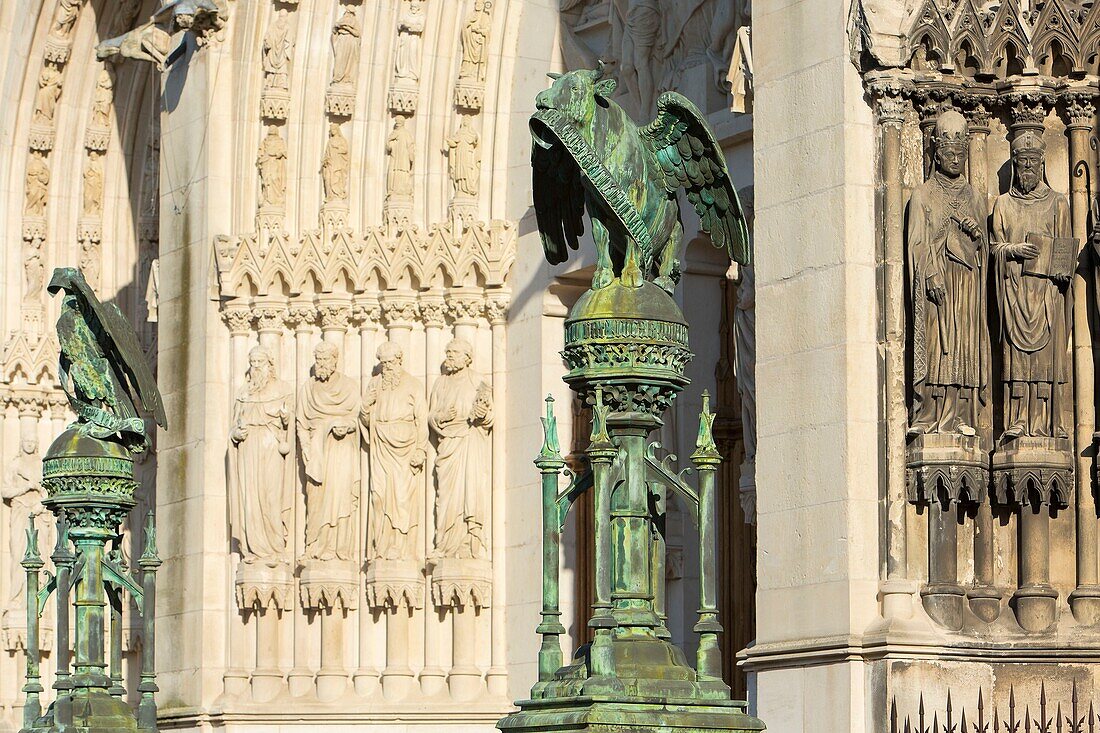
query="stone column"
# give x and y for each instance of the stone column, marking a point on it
(1081, 121)
(897, 589)
(301, 317)
(497, 312)
(367, 315)
(433, 312)
(238, 318)
(396, 589)
(1036, 600)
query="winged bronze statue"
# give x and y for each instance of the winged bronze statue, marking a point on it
(587, 154)
(103, 369)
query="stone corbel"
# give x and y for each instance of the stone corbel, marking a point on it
(329, 585)
(461, 583)
(392, 584)
(260, 586)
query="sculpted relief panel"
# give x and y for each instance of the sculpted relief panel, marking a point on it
(984, 119)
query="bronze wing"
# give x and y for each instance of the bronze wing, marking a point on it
(692, 159)
(118, 341)
(558, 193)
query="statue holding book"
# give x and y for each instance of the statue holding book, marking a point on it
(1034, 256)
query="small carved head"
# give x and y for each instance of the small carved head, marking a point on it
(577, 93)
(459, 354)
(29, 446)
(390, 356)
(325, 357)
(261, 366)
(951, 138)
(1028, 160)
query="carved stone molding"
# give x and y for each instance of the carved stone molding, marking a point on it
(496, 307)
(372, 260)
(301, 316)
(399, 309)
(41, 138)
(238, 319)
(395, 583)
(465, 307)
(261, 586)
(328, 585)
(461, 582)
(433, 310)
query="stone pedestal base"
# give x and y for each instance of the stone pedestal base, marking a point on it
(264, 586)
(327, 583)
(612, 716)
(396, 587)
(1034, 464)
(1085, 604)
(340, 100)
(274, 104)
(946, 462)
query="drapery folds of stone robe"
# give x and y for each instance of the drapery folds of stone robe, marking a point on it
(1033, 311)
(331, 464)
(463, 464)
(397, 432)
(260, 475)
(950, 341)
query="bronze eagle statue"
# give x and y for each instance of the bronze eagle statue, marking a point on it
(102, 367)
(588, 154)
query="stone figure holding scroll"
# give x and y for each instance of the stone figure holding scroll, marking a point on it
(260, 477)
(947, 252)
(395, 417)
(1034, 256)
(461, 416)
(328, 436)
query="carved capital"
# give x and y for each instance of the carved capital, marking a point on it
(399, 310)
(496, 308)
(433, 311)
(366, 313)
(978, 117)
(29, 404)
(59, 406)
(1080, 108)
(890, 102)
(270, 318)
(465, 308)
(334, 316)
(1028, 110)
(301, 316)
(239, 319)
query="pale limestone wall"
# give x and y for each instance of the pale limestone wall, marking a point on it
(817, 462)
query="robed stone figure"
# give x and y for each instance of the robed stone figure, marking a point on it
(947, 250)
(328, 433)
(395, 417)
(22, 491)
(260, 474)
(461, 415)
(1034, 255)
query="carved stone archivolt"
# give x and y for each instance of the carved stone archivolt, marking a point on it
(984, 113)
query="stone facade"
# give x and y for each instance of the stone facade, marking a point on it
(284, 176)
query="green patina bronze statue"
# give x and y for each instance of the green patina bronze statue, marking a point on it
(627, 349)
(88, 476)
(588, 154)
(103, 370)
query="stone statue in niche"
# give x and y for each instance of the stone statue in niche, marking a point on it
(49, 92)
(37, 185)
(272, 165)
(34, 269)
(89, 262)
(635, 33)
(22, 492)
(947, 254)
(101, 102)
(461, 415)
(406, 63)
(345, 47)
(93, 184)
(65, 18)
(399, 149)
(334, 167)
(1034, 256)
(260, 476)
(328, 436)
(465, 164)
(395, 417)
(475, 44)
(276, 53)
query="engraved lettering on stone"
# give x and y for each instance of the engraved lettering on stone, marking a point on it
(328, 437)
(395, 417)
(259, 468)
(461, 416)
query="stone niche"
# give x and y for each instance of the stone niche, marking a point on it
(985, 117)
